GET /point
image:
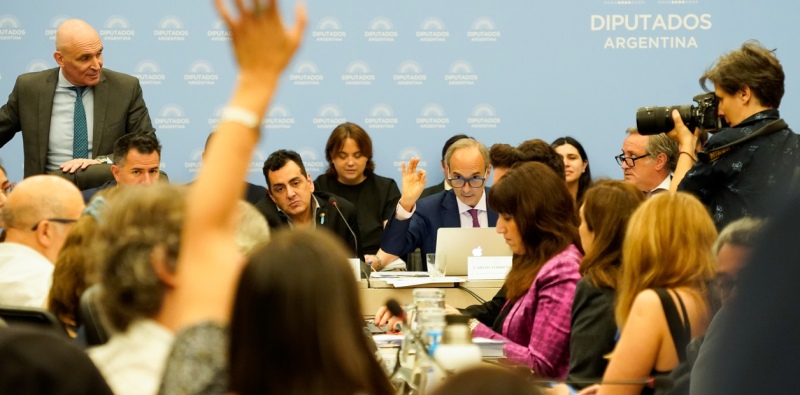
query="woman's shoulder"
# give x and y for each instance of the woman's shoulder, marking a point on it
(563, 265)
(381, 180)
(322, 180)
(570, 257)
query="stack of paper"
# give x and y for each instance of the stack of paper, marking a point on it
(490, 348)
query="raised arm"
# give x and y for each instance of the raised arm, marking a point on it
(687, 142)
(209, 263)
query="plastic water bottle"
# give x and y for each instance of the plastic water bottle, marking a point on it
(456, 351)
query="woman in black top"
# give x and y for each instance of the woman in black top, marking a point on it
(351, 175)
(604, 216)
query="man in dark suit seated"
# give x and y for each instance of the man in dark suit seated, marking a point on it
(292, 202)
(417, 222)
(71, 115)
(137, 161)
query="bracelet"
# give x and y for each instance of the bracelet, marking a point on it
(239, 115)
(473, 323)
(690, 155)
(380, 263)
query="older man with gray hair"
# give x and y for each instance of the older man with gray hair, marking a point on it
(37, 216)
(648, 161)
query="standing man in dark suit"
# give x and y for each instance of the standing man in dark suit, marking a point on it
(292, 201)
(416, 223)
(70, 116)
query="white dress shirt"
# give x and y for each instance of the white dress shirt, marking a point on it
(62, 125)
(25, 276)
(133, 361)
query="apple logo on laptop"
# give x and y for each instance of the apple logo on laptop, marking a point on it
(477, 251)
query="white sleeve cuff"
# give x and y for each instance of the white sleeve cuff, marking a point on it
(401, 213)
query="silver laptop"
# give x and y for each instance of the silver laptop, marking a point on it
(459, 243)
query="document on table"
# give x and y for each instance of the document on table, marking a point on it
(414, 281)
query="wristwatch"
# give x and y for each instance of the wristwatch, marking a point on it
(473, 323)
(104, 159)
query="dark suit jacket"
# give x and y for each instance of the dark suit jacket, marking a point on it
(118, 109)
(433, 212)
(332, 220)
(88, 194)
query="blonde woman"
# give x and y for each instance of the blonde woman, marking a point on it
(661, 294)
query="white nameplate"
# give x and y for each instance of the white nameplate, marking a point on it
(355, 264)
(488, 267)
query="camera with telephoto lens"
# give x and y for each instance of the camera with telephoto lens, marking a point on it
(655, 120)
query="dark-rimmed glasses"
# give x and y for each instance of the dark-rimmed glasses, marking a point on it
(629, 160)
(474, 182)
(59, 220)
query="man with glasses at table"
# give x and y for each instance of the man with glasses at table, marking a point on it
(417, 222)
(648, 161)
(37, 216)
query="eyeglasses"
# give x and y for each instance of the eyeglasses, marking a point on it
(474, 182)
(629, 160)
(59, 220)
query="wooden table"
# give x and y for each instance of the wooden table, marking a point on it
(378, 292)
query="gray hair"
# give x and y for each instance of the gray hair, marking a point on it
(743, 232)
(252, 229)
(660, 143)
(138, 221)
(467, 143)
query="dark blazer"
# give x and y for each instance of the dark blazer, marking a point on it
(118, 109)
(433, 212)
(254, 193)
(332, 220)
(88, 194)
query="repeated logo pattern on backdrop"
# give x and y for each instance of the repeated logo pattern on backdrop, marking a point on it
(411, 73)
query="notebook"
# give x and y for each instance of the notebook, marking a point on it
(456, 244)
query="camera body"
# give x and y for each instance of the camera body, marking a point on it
(655, 120)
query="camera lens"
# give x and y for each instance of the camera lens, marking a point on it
(655, 120)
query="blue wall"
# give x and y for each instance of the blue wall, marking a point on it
(413, 73)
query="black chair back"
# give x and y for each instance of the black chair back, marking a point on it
(89, 317)
(31, 316)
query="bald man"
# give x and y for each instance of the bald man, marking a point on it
(61, 130)
(37, 216)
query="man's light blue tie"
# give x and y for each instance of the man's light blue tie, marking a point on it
(80, 140)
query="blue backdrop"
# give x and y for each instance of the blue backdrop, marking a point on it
(413, 73)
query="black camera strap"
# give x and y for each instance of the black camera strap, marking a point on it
(772, 127)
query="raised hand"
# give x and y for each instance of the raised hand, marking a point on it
(413, 184)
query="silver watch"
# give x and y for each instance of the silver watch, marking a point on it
(104, 159)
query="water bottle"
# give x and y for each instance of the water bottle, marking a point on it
(456, 351)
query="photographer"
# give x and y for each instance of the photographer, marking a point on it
(736, 178)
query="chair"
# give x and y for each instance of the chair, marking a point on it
(89, 317)
(95, 176)
(31, 316)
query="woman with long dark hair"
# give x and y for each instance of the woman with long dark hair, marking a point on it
(607, 207)
(576, 166)
(539, 222)
(296, 326)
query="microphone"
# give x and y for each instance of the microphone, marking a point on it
(663, 382)
(333, 202)
(395, 309)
